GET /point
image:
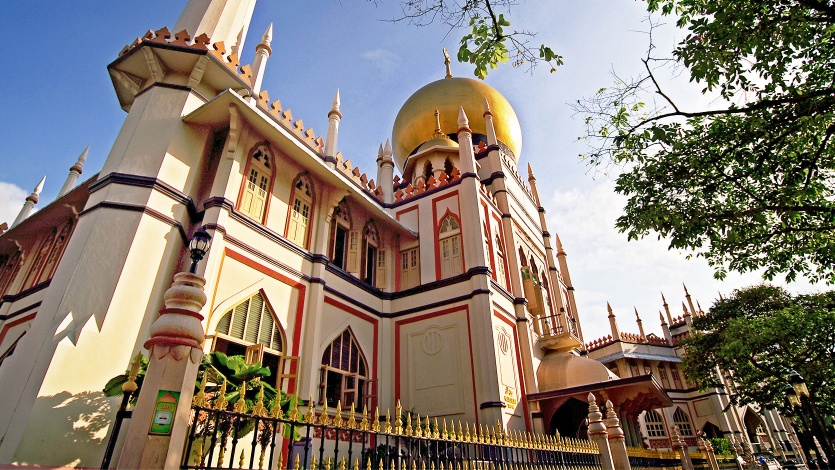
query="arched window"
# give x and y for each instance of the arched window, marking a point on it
(300, 211)
(39, 261)
(344, 372)
(373, 258)
(501, 274)
(662, 374)
(655, 425)
(676, 377)
(450, 245)
(257, 184)
(340, 229)
(250, 329)
(9, 267)
(55, 253)
(681, 420)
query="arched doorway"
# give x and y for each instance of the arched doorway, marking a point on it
(755, 428)
(711, 430)
(570, 419)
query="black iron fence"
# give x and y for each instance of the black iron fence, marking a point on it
(258, 438)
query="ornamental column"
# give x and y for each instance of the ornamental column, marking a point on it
(598, 435)
(159, 425)
(680, 446)
(617, 439)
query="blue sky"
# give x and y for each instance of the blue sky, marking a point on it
(57, 98)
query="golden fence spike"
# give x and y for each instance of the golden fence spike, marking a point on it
(364, 422)
(324, 418)
(310, 416)
(328, 463)
(352, 421)
(220, 401)
(200, 398)
(240, 405)
(241, 460)
(391, 464)
(441, 465)
(467, 432)
(414, 465)
(387, 425)
(337, 420)
(461, 432)
(422, 465)
(445, 433)
(437, 432)
(296, 463)
(280, 460)
(259, 409)
(294, 414)
(418, 428)
(313, 463)
(357, 463)
(480, 436)
(221, 455)
(375, 426)
(409, 429)
(343, 465)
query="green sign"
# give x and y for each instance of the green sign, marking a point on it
(164, 412)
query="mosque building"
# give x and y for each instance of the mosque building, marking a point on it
(433, 275)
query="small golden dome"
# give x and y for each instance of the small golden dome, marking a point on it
(437, 142)
(416, 120)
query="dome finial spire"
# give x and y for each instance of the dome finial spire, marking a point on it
(447, 62)
(438, 132)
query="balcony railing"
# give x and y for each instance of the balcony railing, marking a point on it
(558, 331)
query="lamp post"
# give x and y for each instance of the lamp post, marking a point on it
(198, 246)
(802, 399)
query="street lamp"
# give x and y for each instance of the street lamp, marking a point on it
(799, 397)
(199, 246)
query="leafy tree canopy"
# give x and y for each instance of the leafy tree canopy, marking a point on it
(491, 41)
(746, 182)
(757, 336)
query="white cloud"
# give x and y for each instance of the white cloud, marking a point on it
(385, 60)
(11, 200)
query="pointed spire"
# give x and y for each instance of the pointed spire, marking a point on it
(385, 172)
(446, 63)
(463, 122)
(387, 149)
(488, 121)
(667, 310)
(640, 325)
(530, 173)
(29, 203)
(487, 106)
(613, 323)
(336, 102)
(689, 299)
(661, 316)
(259, 65)
(334, 117)
(609, 308)
(75, 172)
(438, 132)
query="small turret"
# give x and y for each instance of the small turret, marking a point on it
(385, 172)
(29, 203)
(667, 310)
(465, 143)
(532, 182)
(491, 129)
(262, 53)
(689, 300)
(666, 329)
(613, 323)
(75, 172)
(334, 118)
(640, 326)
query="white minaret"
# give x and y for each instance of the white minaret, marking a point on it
(75, 172)
(221, 20)
(262, 53)
(613, 323)
(334, 117)
(385, 172)
(30, 202)
(465, 143)
(491, 129)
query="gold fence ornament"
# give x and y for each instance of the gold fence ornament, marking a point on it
(328, 463)
(444, 433)
(437, 432)
(200, 398)
(460, 431)
(294, 415)
(352, 420)
(398, 415)
(259, 409)
(296, 463)
(240, 405)
(310, 416)
(357, 464)
(409, 429)
(418, 432)
(313, 462)
(466, 432)
(275, 409)
(387, 424)
(324, 418)
(220, 401)
(363, 426)
(337, 419)
(241, 459)
(375, 426)
(343, 465)
(280, 460)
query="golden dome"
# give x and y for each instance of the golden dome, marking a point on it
(437, 142)
(416, 120)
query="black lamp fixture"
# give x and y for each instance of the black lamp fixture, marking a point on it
(199, 246)
(798, 384)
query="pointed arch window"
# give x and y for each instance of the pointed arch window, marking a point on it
(344, 372)
(257, 184)
(340, 231)
(655, 424)
(251, 329)
(56, 252)
(9, 267)
(681, 420)
(300, 211)
(373, 258)
(449, 235)
(46, 258)
(501, 274)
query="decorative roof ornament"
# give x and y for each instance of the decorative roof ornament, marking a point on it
(438, 132)
(447, 62)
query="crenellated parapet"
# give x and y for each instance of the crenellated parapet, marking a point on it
(405, 190)
(627, 338)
